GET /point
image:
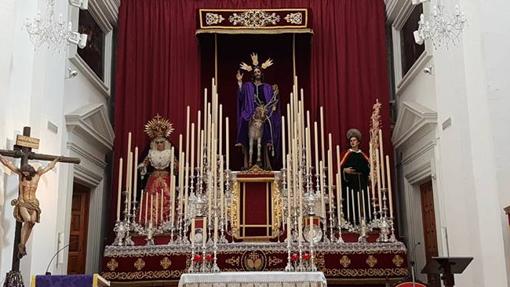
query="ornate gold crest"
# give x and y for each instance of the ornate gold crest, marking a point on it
(112, 264)
(158, 127)
(139, 264)
(345, 261)
(254, 261)
(165, 263)
(371, 261)
(397, 260)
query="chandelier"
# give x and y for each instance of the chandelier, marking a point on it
(443, 28)
(54, 33)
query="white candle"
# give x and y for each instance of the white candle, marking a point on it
(186, 187)
(180, 175)
(187, 132)
(307, 150)
(192, 232)
(338, 196)
(347, 202)
(157, 208)
(353, 206)
(214, 173)
(302, 119)
(204, 230)
(300, 227)
(181, 183)
(129, 174)
(363, 203)
(308, 133)
(172, 185)
(390, 197)
(338, 181)
(372, 174)
(322, 132)
(220, 133)
(227, 140)
(294, 173)
(135, 175)
(209, 133)
(381, 154)
(192, 169)
(186, 161)
(368, 203)
(289, 186)
(140, 207)
(205, 108)
(215, 229)
(119, 190)
(172, 210)
(199, 127)
(330, 180)
(300, 182)
(288, 230)
(146, 206)
(152, 206)
(161, 205)
(321, 186)
(283, 143)
(200, 157)
(221, 173)
(129, 142)
(289, 130)
(359, 206)
(379, 189)
(316, 144)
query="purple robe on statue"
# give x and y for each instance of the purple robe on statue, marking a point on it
(246, 105)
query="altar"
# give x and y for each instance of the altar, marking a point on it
(374, 263)
(250, 279)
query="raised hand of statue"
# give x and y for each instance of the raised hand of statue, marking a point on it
(239, 76)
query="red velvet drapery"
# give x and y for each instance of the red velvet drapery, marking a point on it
(158, 63)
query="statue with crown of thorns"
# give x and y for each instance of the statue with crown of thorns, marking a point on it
(258, 116)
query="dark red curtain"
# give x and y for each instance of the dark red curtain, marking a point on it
(159, 70)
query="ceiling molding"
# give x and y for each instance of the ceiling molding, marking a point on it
(414, 120)
(91, 122)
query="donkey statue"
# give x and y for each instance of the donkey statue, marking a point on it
(261, 114)
(256, 131)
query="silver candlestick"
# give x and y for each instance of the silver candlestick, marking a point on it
(150, 231)
(312, 267)
(384, 230)
(120, 233)
(362, 231)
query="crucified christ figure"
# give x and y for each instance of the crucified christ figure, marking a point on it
(26, 207)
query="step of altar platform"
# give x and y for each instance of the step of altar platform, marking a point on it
(341, 263)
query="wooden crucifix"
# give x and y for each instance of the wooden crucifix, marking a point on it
(26, 206)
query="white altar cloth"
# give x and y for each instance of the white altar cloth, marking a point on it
(253, 279)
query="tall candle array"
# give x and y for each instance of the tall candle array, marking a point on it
(200, 181)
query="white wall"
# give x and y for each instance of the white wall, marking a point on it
(34, 91)
(471, 157)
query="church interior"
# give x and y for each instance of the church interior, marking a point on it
(254, 143)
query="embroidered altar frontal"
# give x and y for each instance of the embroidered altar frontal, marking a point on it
(376, 262)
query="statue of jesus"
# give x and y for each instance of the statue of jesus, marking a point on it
(256, 95)
(26, 207)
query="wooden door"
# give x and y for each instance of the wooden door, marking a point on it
(429, 227)
(79, 227)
